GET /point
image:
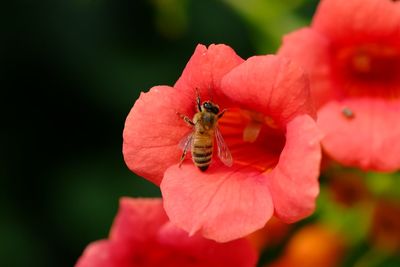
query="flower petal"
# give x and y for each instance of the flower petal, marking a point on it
(135, 228)
(205, 70)
(351, 21)
(271, 85)
(238, 253)
(294, 181)
(153, 131)
(145, 215)
(316, 64)
(368, 137)
(223, 203)
(97, 254)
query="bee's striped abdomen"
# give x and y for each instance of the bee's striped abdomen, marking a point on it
(202, 149)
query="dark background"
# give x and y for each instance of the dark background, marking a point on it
(70, 72)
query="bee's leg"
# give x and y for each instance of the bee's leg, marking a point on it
(186, 119)
(198, 100)
(219, 116)
(182, 159)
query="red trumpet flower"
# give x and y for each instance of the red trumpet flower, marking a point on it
(268, 127)
(352, 54)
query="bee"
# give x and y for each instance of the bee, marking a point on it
(201, 140)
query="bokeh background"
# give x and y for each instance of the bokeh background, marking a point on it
(71, 71)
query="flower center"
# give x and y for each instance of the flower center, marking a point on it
(253, 138)
(376, 63)
(368, 66)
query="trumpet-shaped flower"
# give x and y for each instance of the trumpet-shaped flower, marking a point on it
(142, 236)
(268, 127)
(352, 54)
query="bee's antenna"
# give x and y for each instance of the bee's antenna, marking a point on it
(198, 100)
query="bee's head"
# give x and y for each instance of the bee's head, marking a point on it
(211, 107)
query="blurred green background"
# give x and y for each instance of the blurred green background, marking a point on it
(70, 72)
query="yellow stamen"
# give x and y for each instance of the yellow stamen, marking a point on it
(362, 63)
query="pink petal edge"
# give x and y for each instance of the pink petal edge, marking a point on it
(271, 85)
(333, 16)
(96, 254)
(152, 132)
(316, 64)
(294, 181)
(204, 72)
(223, 204)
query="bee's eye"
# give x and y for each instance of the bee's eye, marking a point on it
(211, 107)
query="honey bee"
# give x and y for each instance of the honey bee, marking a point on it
(201, 140)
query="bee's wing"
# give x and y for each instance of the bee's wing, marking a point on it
(186, 142)
(223, 151)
